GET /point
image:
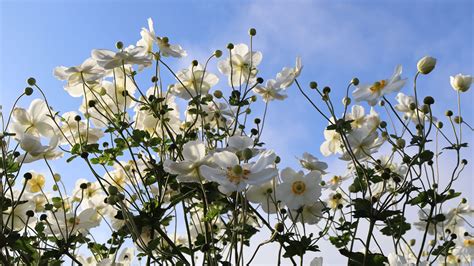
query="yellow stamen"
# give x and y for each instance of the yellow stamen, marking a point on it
(298, 187)
(378, 86)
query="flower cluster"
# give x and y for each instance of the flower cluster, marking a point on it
(179, 174)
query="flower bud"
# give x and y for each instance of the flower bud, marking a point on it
(28, 176)
(428, 100)
(260, 80)
(194, 63)
(57, 177)
(449, 113)
(461, 82)
(326, 90)
(313, 85)
(218, 53)
(458, 120)
(28, 91)
(154, 79)
(401, 143)
(257, 121)
(279, 227)
(83, 186)
(30, 213)
(31, 81)
(247, 154)
(346, 101)
(355, 81)
(218, 94)
(426, 65)
(412, 242)
(252, 32)
(230, 46)
(439, 125)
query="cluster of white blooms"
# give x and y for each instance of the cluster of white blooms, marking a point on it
(153, 154)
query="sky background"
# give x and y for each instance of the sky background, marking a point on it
(337, 40)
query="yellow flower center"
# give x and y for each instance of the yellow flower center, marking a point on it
(469, 242)
(335, 180)
(236, 174)
(74, 221)
(378, 86)
(298, 187)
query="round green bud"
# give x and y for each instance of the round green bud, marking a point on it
(248, 111)
(253, 98)
(254, 131)
(218, 94)
(449, 113)
(412, 106)
(43, 217)
(91, 104)
(383, 124)
(55, 187)
(313, 85)
(425, 108)
(247, 154)
(84, 155)
(230, 46)
(277, 159)
(322, 183)
(112, 200)
(257, 121)
(119, 45)
(77, 118)
(259, 80)
(237, 169)
(382, 103)
(435, 186)
(401, 143)
(252, 32)
(113, 190)
(154, 79)
(346, 101)
(428, 100)
(439, 124)
(464, 161)
(326, 90)
(463, 200)
(218, 53)
(83, 186)
(30, 213)
(31, 81)
(28, 176)
(57, 177)
(16, 154)
(355, 81)
(195, 63)
(458, 120)
(165, 39)
(384, 135)
(412, 242)
(28, 91)
(279, 227)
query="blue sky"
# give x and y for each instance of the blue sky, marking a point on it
(338, 40)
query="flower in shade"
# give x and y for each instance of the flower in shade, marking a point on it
(34, 121)
(187, 170)
(263, 194)
(271, 91)
(310, 162)
(232, 175)
(373, 92)
(288, 74)
(87, 72)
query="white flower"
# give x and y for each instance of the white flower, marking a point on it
(129, 56)
(363, 142)
(74, 222)
(360, 119)
(234, 176)
(461, 82)
(238, 143)
(396, 260)
(36, 151)
(426, 64)
(317, 261)
(298, 189)
(78, 132)
(263, 194)
(272, 91)
(36, 183)
(288, 75)
(146, 120)
(217, 114)
(16, 218)
(34, 121)
(166, 49)
(372, 93)
(332, 144)
(87, 72)
(187, 170)
(241, 65)
(405, 104)
(312, 163)
(336, 199)
(193, 81)
(335, 181)
(309, 213)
